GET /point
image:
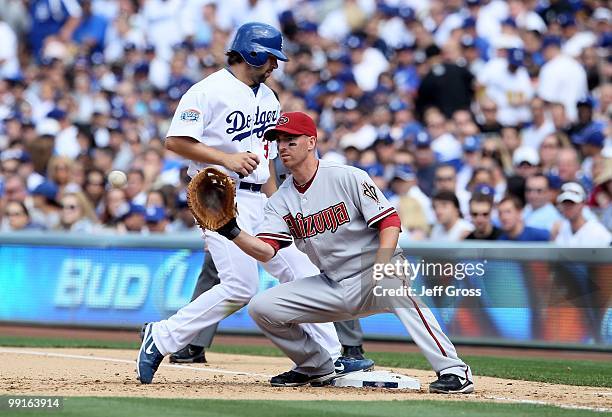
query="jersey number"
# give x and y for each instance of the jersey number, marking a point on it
(266, 148)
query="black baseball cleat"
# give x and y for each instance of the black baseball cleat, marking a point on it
(189, 354)
(451, 384)
(296, 379)
(355, 352)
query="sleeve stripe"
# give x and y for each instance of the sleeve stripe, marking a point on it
(274, 244)
(275, 236)
(380, 216)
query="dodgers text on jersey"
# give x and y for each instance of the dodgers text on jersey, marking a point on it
(241, 124)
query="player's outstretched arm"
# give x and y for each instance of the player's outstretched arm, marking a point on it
(255, 247)
(242, 163)
(251, 245)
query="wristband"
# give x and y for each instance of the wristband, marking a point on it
(229, 230)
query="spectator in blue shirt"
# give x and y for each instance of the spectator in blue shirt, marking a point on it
(539, 211)
(483, 46)
(92, 29)
(52, 17)
(510, 215)
(406, 76)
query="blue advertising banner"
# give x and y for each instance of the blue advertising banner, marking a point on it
(125, 286)
(104, 287)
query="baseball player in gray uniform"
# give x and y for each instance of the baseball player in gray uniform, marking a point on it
(349, 331)
(342, 221)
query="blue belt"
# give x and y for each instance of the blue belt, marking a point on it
(250, 186)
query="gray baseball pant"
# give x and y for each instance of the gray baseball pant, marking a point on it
(318, 299)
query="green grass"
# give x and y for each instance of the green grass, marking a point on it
(555, 371)
(157, 407)
(42, 342)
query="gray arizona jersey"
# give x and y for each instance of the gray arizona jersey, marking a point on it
(331, 221)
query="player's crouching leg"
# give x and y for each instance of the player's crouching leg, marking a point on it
(274, 319)
(258, 310)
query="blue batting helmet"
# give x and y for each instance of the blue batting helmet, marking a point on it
(254, 41)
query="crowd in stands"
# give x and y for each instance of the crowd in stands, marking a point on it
(479, 119)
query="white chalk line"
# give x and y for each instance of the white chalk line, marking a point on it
(537, 402)
(223, 371)
(105, 359)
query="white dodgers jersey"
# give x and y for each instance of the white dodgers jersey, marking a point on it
(222, 112)
(333, 221)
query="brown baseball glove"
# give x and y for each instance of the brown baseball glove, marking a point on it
(210, 196)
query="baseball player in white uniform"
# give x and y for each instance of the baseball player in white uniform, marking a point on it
(342, 221)
(221, 121)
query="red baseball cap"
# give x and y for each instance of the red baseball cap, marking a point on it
(293, 123)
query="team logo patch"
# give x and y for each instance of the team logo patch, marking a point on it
(283, 120)
(370, 191)
(190, 116)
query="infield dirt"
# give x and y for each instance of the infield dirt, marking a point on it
(108, 372)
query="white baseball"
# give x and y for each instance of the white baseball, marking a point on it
(117, 178)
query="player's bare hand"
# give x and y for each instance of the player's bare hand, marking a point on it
(242, 163)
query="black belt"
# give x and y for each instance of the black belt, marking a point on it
(250, 186)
